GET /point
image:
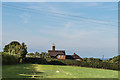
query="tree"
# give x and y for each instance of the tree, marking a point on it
(43, 54)
(23, 50)
(6, 48)
(48, 55)
(15, 48)
(10, 45)
(115, 59)
(37, 54)
(85, 59)
(40, 55)
(30, 54)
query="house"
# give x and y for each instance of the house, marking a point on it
(60, 54)
(74, 57)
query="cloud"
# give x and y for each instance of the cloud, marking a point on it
(45, 7)
(53, 10)
(68, 24)
(71, 30)
(25, 17)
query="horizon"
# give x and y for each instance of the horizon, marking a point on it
(88, 29)
(105, 58)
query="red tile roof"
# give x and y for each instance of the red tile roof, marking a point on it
(56, 52)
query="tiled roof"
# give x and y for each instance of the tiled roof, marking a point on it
(69, 57)
(74, 56)
(56, 52)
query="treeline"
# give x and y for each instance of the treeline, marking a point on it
(38, 55)
(112, 63)
(15, 53)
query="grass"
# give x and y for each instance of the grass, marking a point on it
(49, 71)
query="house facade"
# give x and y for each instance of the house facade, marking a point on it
(60, 54)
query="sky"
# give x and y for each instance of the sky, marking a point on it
(89, 29)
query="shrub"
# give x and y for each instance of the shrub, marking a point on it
(9, 59)
(62, 61)
(34, 60)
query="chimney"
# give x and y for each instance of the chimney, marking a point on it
(74, 54)
(53, 47)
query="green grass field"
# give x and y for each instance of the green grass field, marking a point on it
(55, 71)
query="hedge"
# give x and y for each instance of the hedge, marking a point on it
(9, 59)
(93, 64)
(34, 60)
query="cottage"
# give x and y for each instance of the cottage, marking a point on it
(60, 54)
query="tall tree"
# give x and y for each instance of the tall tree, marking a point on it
(23, 50)
(8, 47)
(15, 48)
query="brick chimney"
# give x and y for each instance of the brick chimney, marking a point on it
(53, 47)
(74, 54)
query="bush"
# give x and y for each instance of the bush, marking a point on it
(9, 59)
(62, 62)
(56, 62)
(34, 60)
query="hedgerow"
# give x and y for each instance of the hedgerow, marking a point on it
(9, 59)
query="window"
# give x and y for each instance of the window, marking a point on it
(61, 56)
(58, 56)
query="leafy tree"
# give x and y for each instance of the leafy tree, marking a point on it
(43, 54)
(30, 54)
(40, 55)
(105, 60)
(6, 48)
(48, 55)
(15, 48)
(23, 50)
(10, 45)
(37, 54)
(85, 59)
(115, 59)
